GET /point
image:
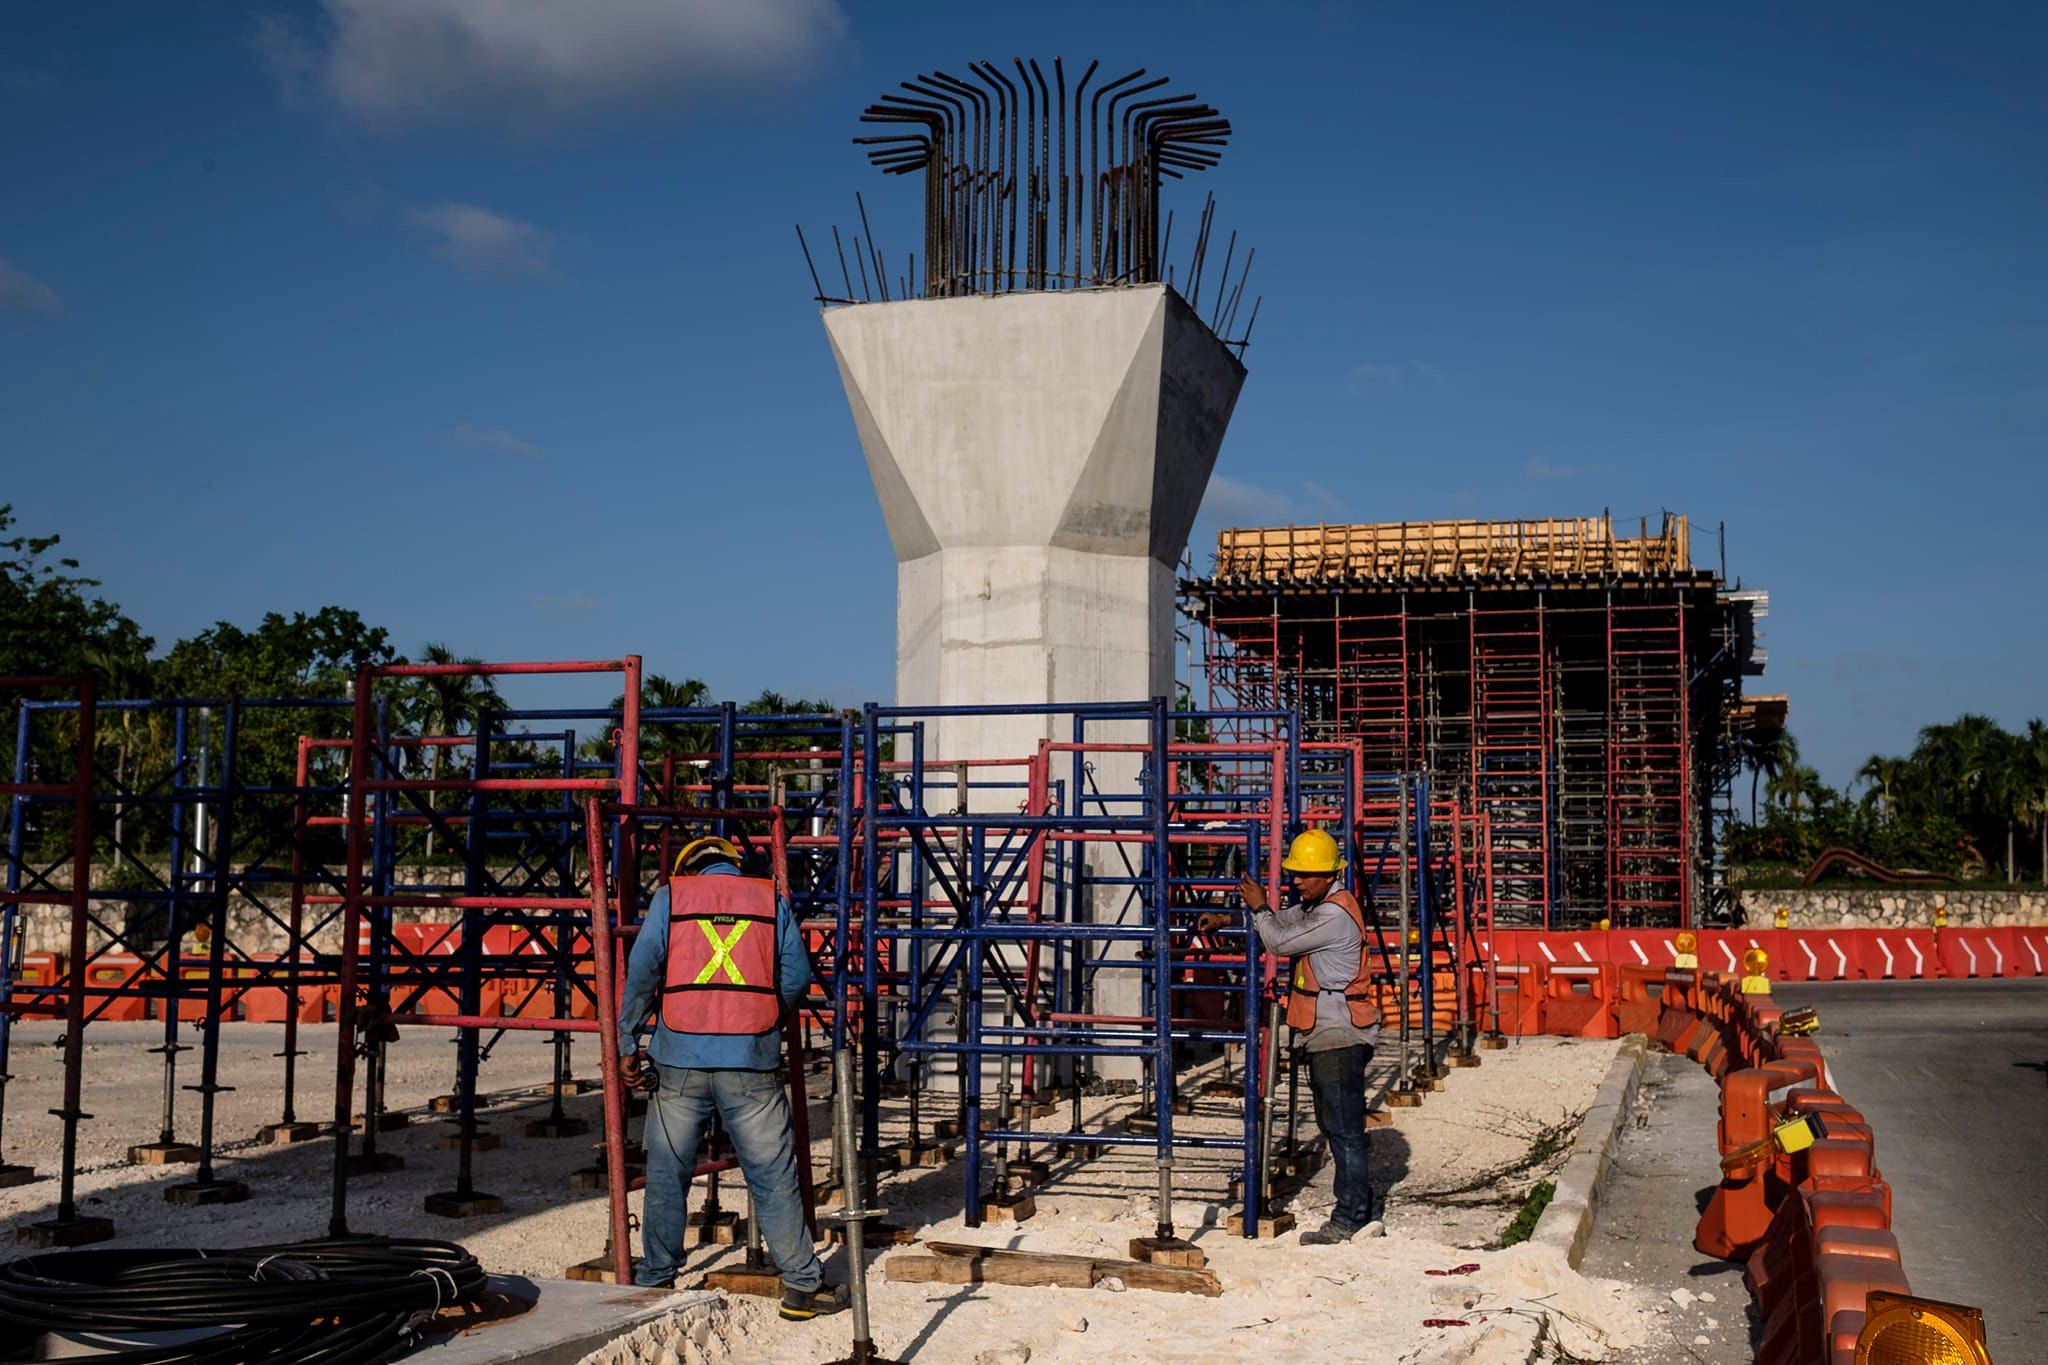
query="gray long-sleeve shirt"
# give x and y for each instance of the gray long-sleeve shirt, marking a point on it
(1328, 937)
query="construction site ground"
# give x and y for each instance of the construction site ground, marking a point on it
(1454, 1171)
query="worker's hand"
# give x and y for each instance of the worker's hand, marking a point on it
(1210, 922)
(1251, 893)
(635, 1071)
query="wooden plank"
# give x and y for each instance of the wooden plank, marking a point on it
(916, 1269)
(1134, 1274)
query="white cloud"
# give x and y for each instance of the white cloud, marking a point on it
(525, 66)
(1402, 374)
(1540, 470)
(566, 606)
(21, 292)
(486, 244)
(496, 440)
(1232, 502)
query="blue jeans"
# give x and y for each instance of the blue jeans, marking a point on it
(755, 1110)
(1336, 1078)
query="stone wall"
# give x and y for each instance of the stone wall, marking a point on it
(1890, 907)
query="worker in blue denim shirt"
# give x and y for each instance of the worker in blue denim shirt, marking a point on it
(724, 970)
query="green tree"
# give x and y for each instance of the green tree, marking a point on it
(441, 705)
(1888, 778)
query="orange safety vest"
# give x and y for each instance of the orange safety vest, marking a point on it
(722, 964)
(1301, 999)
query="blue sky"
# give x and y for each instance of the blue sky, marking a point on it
(488, 320)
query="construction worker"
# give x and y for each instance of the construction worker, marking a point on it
(1330, 1008)
(722, 954)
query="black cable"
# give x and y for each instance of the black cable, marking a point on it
(335, 1301)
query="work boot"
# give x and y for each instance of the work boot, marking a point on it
(1329, 1234)
(801, 1305)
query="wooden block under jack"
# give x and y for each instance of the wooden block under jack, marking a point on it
(596, 1270)
(163, 1153)
(445, 1104)
(945, 1130)
(556, 1128)
(1461, 1059)
(1378, 1118)
(73, 1232)
(879, 1234)
(1493, 1042)
(375, 1163)
(478, 1142)
(924, 1154)
(210, 1192)
(1223, 1089)
(1167, 1251)
(472, 1205)
(386, 1122)
(10, 1176)
(1183, 1106)
(1029, 1172)
(280, 1134)
(1079, 1151)
(569, 1087)
(1271, 1225)
(723, 1228)
(1403, 1099)
(761, 1281)
(1014, 1208)
(593, 1177)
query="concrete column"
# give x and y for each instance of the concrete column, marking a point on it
(1039, 459)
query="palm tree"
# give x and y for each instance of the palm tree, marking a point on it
(1887, 778)
(1955, 758)
(124, 675)
(1797, 788)
(2033, 751)
(447, 704)
(1767, 758)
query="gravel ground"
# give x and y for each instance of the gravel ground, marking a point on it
(1455, 1171)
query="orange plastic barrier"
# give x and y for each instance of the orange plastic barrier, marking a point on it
(1578, 1001)
(109, 972)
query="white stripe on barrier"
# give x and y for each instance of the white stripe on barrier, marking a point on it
(1728, 953)
(1919, 962)
(1997, 955)
(1641, 956)
(1812, 962)
(1972, 952)
(1841, 960)
(1546, 950)
(1883, 948)
(2036, 952)
(1581, 946)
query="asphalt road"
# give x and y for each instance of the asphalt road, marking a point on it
(1953, 1075)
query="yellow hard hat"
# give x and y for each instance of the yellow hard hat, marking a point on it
(697, 850)
(1313, 851)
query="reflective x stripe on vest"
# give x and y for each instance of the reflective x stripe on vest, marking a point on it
(1301, 1000)
(721, 975)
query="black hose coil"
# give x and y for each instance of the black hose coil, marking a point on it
(336, 1301)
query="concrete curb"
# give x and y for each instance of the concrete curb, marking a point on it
(1567, 1223)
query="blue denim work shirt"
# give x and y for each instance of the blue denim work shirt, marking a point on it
(647, 968)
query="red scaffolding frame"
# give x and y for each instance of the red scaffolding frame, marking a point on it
(1649, 772)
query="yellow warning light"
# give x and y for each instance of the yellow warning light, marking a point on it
(1941, 916)
(1604, 924)
(1901, 1330)
(1755, 961)
(1415, 936)
(1784, 917)
(1685, 959)
(202, 933)
(1688, 941)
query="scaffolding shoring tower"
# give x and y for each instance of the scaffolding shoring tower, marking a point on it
(1576, 687)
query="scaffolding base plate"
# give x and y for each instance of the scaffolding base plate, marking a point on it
(1167, 1251)
(472, 1205)
(375, 1163)
(279, 1134)
(10, 1176)
(718, 1229)
(556, 1128)
(65, 1232)
(1010, 1209)
(764, 1282)
(386, 1123)
(1271, 1225)
(163, 1154)
(194, 1193)
(478, 1142)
